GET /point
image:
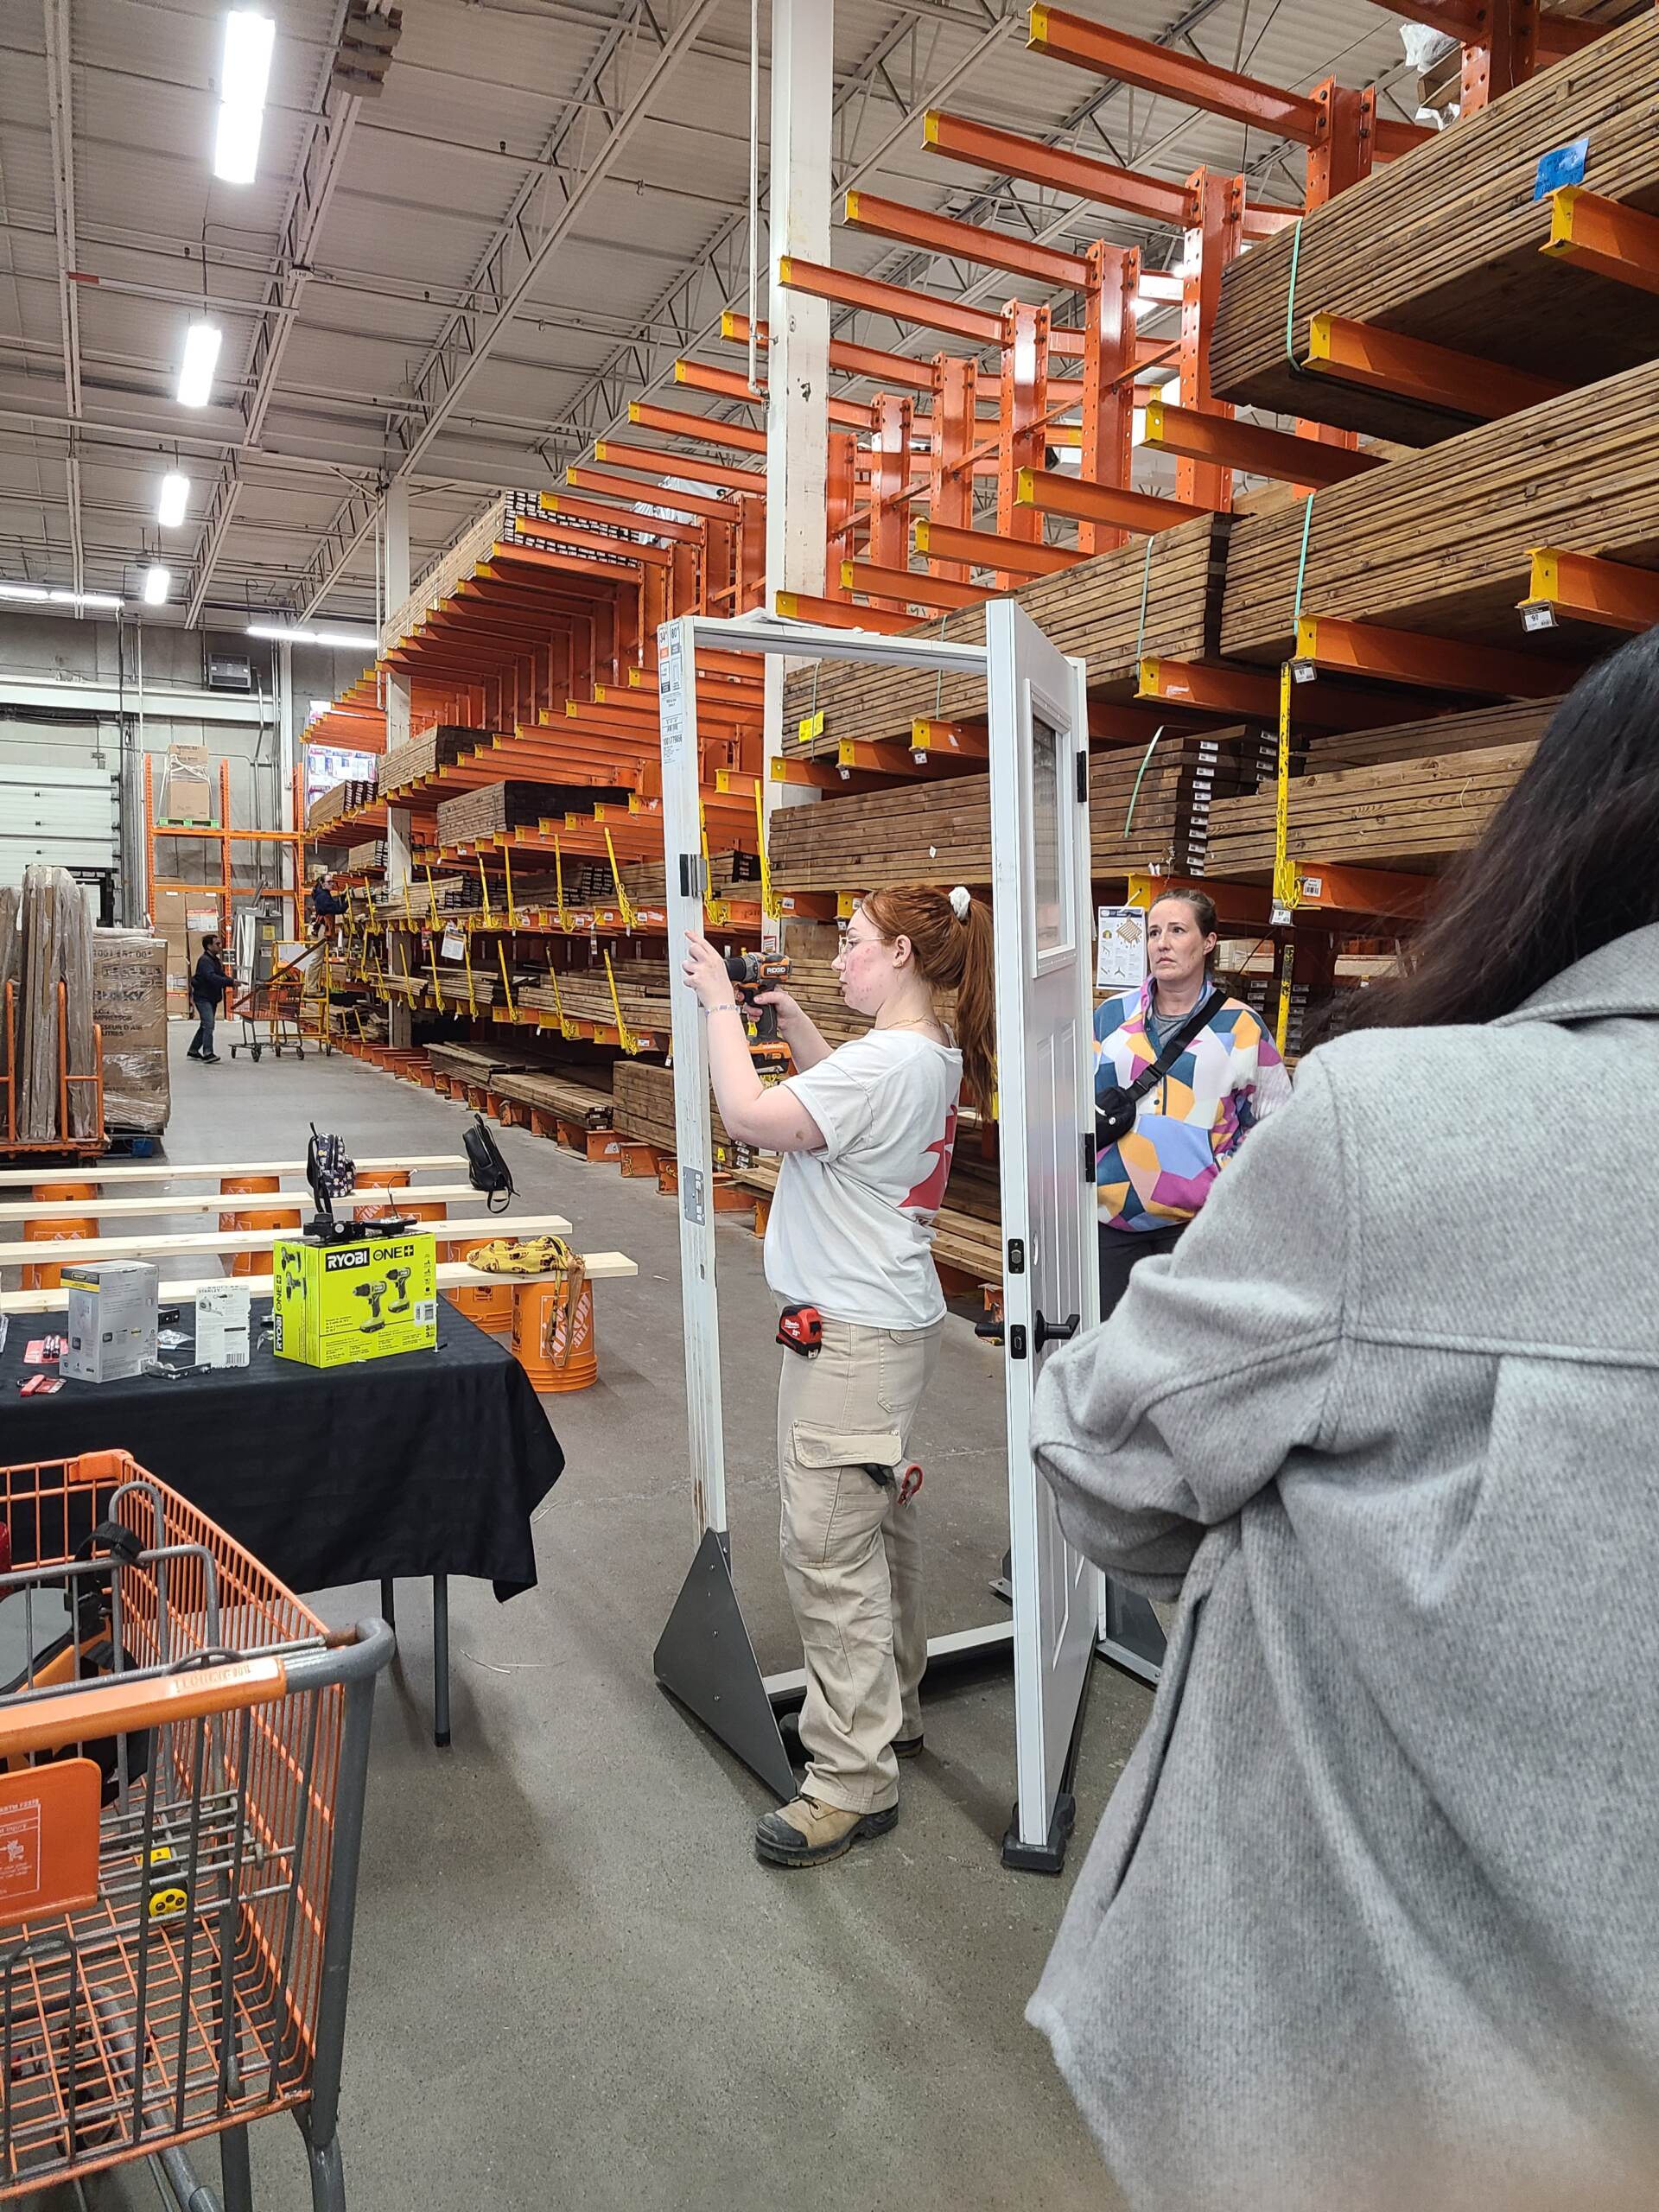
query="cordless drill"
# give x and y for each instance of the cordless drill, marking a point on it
(398, 1278)
(759, 971)
(374, 1292)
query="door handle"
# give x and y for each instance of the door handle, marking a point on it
(990, 1331)
(1054, 1332)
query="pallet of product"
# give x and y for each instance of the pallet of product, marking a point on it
(1443, 541)
(1399, 814)
(492, 808)
(439, 746)
(1171, 579)
(1444, 245)
(1147, 812)
(338, 799)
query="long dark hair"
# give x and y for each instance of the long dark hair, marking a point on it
(1568, 863)
(953, 950)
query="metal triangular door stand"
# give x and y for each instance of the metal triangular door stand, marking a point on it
(705, 1659)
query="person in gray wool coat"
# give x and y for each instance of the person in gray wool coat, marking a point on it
(1371, 1923)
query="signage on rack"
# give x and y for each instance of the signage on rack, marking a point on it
(454, 946)
(1121, 948)
(1566, 165)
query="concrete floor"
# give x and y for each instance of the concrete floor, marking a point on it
(574, 1984)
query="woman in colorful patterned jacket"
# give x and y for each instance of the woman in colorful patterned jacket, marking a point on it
(1228, 1077)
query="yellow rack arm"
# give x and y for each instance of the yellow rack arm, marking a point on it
(769, 904)
(467, 955)
(506, 984)
(484, 886)
(408, 918)
(506, 858)
(717, 910)
(625, 1036)
(566, 1029)
(432, 961)
(624, 904)
(1286, 888)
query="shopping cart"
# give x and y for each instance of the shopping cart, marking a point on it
(183, 1758)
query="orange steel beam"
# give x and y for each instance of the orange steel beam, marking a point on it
(622, 487)
(571, 532)
(879, 758)
(979, 326)
(1024, 396)
(1186, 77)
(1326, 642)
(956, 740)
(840, 615)
(853, 360)
(1212, 241)
(1052, 492)
(983, 548)
(1502, 53)
(949, 484)
(1108, 437)
(889, 480)
(1587, 589)
(660, 461)
(1382, 893)
(1411, 368)
(1342, 152)
(1252, 694)
(677, 423)
(905, 584)
(891, 219)
(1249, 447)
(1464, 20)
(726, 383)
(1601, 234)
(1154, 198)
(562, 503)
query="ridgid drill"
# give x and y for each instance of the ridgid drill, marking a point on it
(752, 973)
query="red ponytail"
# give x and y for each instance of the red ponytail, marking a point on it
(949, 934)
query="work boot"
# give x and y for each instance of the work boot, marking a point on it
(906, 1747)
(805, 1833)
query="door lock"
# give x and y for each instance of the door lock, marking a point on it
(1054, 1332)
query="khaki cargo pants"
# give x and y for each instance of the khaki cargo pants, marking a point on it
(852, 1554)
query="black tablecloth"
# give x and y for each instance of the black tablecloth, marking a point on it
(429, 1463)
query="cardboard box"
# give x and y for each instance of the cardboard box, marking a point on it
(111, 1330)
(130, 974)
(187, 788)
(223, 1335)
(338, 1303)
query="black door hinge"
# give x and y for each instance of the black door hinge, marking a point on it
(1016, 1255)
(1082, 776)
(1089, 1156)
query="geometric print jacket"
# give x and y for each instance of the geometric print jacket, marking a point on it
(1189, 1125)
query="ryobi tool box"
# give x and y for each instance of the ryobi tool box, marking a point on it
(351, 1290)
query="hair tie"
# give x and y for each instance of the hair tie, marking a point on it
(961, 900)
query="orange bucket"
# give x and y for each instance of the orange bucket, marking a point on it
(259, 1263)
(540, 1326)
(52, 1232)
(236, 1185)
(488, 1305)
(382, 1178)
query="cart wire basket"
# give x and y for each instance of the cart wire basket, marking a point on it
(183, 1760)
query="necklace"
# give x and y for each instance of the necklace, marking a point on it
(916, 1021)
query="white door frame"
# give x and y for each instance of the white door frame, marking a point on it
(705, 1658)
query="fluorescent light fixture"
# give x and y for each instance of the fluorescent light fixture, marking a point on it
(83, 598)
(201, 344)
(175, 490)
(23, 591)
(282, 635)
(349, 641)
(157, 582)
(248, 38)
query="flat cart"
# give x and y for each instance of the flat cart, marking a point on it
(183, 1759)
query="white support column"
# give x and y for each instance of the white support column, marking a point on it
(797, 351)
(399, 835)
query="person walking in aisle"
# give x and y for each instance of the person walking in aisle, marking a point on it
(208, 985)
(866, 1134)
(1368, 1921)
(1160, 1144)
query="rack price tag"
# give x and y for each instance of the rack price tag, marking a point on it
(1566, 165)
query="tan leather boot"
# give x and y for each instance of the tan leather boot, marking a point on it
(806, 1833)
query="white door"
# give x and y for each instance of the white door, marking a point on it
(1039, 865)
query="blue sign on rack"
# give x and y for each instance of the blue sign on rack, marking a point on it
(1567, 165)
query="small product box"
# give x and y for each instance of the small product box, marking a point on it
(111, 1330)
(336, 1303)
(222, 1335)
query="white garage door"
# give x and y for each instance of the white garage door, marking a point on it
(66, 817)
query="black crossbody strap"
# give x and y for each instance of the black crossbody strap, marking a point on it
(1200, 1017)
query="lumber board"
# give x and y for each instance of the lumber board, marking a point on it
(452, 1275)
(489, 809)
(558, 1094)
(1093, 610)
(1443, 245)
(62, 1252)
(117, 1175)
(1442, 542)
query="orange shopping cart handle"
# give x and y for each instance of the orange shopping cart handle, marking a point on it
(117, 1706)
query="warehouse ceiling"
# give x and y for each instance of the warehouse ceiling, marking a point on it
(460, 273)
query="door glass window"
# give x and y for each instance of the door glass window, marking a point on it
(1048, 828)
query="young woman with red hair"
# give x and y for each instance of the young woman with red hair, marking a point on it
(866, 1134)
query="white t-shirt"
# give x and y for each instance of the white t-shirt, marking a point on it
(851, 1229)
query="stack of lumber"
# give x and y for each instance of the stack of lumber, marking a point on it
(1516, 722)
(1444, 245)
(967, 1235)
(1442, 542)
(492, 808)
(338, 799)
(46, 938)
(439, 746)
(1093, 610)
(557, 1094)
(1401, 814)
(1147, 812)
(421, 897)
(585, 994)
(476, 1062)
(363, 860)
(645, 1108)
